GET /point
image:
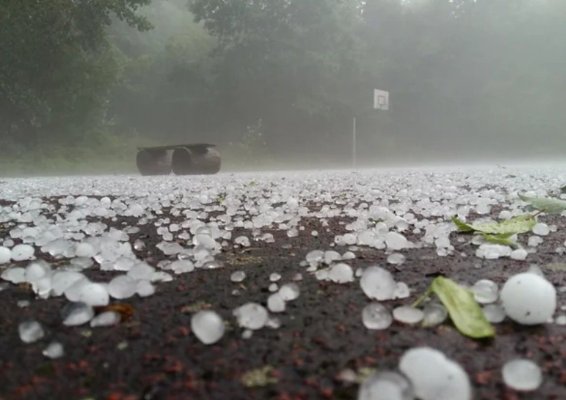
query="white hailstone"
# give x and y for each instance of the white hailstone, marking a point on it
(560, 320)
(145, 288)
(522, 375)
(321, 274)
(61, 280)
(434, 314)
(73, 291)
(289, 291)
(42, 287)
(408, 315)
(378, 283)
(276, 303)
(330, 256)
(314, 233)
(181, 266)
(54, 350)
(22, 252)
(273, 323)
(348, 256)
(494, 313)
(251, 316)
(376, 316)
(386, 385)
(141, 271)
(107, 318)
(207, 326)
(242, 241)
(396, 258)
(30, 331)
(401, 290)
(493, 251)
(395, 241)
(5, 255)
(341, 273)
(274, 277)
(247, 334)
(169, 248)
(122, 287)
(528, 299)
(94, 294)
(273, 287)
(519, 254)
(76, 314)
(315, 257)
(541, 229)
(15, 275)
(349, 239)
(485, 291)
(139, 245)
(37, 270)
(85, 250)
(292, 232)
(434, 376)
(238, 276)
(534, 241)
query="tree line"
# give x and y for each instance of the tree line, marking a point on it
(283, 77)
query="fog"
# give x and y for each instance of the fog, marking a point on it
(276, 84)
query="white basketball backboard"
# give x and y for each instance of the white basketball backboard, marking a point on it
(380, 99)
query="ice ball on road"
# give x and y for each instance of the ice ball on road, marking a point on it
(251, 316)
(5, 255)
(521, 374)
(62, 280)
(15, 275)
(434, 376)
(76, 314)
(408, 315)
(395, 241)
(376, 316)
(30, 331)
(378, 283)
(528, 299)
(386, 386)
(122, 287)
(289, 291)
(85, 250)
(54, 350)
(341, 273)
(276, 303)
(238, 276)
(94, 294)
(207, 326)
(107, 318)
(485, 291)
(22, 252)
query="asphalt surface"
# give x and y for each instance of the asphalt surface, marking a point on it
(152, 353)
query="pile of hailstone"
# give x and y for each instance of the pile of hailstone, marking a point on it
(195, 220)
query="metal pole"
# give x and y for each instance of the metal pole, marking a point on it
(354, 143)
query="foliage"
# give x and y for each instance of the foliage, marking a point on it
(548, 205)
(56, 67)
(466, 77)
(464, 311)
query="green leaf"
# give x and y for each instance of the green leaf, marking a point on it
(518, 224)
(465, 313)
(548, 205)
(462, 226)
(503, 239)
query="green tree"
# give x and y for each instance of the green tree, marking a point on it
(56, 67)
(295, 65)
